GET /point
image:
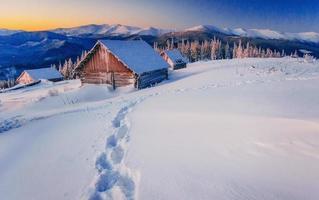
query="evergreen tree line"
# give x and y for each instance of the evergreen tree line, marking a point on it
(216, 49)
(7, 83)
(195, 51)
(66, 69)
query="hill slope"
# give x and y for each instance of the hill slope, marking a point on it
(216, 130)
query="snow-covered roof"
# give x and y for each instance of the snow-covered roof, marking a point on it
(175, 55)
(136, 54)
(44, 73)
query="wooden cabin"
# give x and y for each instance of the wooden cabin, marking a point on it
(175, 59)
(122, 63)
(33, 75)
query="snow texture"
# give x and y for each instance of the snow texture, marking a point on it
(224, 129)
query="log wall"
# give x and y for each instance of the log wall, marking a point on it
(104, 68)
(150, 78)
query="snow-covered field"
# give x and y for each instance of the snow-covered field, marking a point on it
(227, 129)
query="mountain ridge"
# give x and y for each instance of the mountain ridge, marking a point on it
(260, 33)
(107, 30)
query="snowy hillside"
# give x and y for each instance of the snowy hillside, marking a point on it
(225, 129)
(260, 33)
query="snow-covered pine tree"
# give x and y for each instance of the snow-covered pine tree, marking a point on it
(206, 49)
(202, 51)
(195, 50)
(235, 50)
(214, 49)
(239, 51)
(182, 47)
(276, 54)
(53, 66)
(168, 45)
(263, 53)
(219, 49)
(70, 68)
(227, 51)
(77, 61)
(179, 46)
(283, 53)
(64, 69)
(188, 50)
(60, 67)
(7, 83)
(269, 53)
(172, 44)
(259, 52)
(255, 52)
(84, 54)
(246, 51)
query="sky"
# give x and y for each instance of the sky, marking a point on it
(281, 15)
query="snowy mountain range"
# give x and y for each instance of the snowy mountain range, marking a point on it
(21, 50)
(260, 33)
(4, 31)
(94, 30)
(106, 30)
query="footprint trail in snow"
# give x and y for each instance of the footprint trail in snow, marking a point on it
(115, 180)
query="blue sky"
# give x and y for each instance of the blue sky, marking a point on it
(282, 15)
(292, 15)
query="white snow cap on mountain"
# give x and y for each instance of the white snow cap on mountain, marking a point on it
(208, 28)
(4, 32)
(152, 31)
(112, 30)
(260, 33)
(125, 30)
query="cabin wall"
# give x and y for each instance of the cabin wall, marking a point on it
(179, 66)
(25, 78)
(172, 64)
(150, 78)
(105, 68)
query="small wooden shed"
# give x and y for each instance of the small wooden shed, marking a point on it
(174, 58)
(33, 75)
(121, 63)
